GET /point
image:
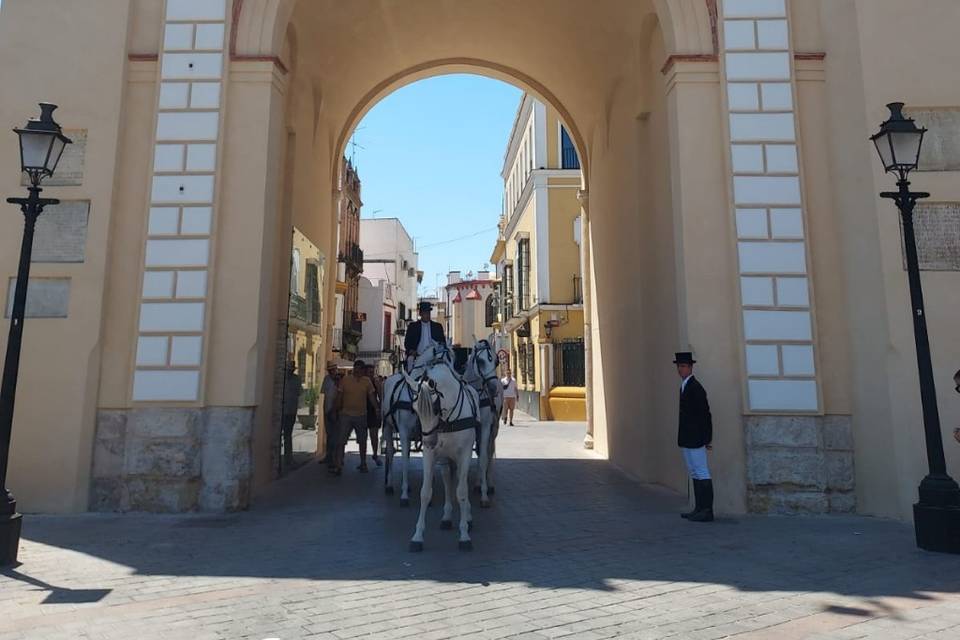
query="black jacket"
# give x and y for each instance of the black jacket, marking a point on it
(412, 339)
(696, 424)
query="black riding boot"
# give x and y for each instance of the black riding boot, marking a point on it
(705, 513)
(697, 499)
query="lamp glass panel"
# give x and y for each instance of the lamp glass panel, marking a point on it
(882, 143)
(56, 151)
(906, 148)
(35, 148)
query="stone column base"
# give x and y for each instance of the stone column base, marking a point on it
(800, 464)
(172, 459)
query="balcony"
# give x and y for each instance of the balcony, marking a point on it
(352, 256)
(304, 311)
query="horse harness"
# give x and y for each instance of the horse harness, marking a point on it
(445, 426)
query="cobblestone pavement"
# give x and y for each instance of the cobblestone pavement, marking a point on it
(572, 548)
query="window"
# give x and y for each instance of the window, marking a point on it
(295, 271)
(523, 274)
(508, 305)
(522, 361)
(568, 153)
(312, 286)
(491, 310)
(387, 331)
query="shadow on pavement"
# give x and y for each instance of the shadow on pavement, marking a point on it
(555, 523)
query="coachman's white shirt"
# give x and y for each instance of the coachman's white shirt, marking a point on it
(426, 340)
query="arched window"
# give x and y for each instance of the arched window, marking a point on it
(491, 310)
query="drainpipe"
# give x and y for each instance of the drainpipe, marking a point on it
(584, 197)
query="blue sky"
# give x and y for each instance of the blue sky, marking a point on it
(432, 154)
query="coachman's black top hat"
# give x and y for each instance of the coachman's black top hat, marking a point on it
(425, 306)
(683, 357)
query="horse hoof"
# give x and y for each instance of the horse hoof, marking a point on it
(446, 524)
(388, 491)
(416, 547)
(466, 545)
(484, 504)
(491, 491)
(404, 502)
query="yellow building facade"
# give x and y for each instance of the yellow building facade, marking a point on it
(538, 257)
(729, 201)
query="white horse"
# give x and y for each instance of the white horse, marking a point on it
(481, 374)
(448, 409)
(398, 416)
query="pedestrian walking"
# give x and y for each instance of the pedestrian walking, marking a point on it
(373, 415)
(291, 403)
(329, 390)
(356, 391)
(956, 385)
(695, 437)
(509, 396)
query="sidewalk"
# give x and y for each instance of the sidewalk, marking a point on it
(571, 548)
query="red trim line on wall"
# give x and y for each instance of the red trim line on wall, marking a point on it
(143, 57)
(274, 59)
(687, 57)
(813, 55)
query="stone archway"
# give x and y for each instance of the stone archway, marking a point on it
(600, 104)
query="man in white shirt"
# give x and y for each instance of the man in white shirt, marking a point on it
(509, 384)
(423, 334)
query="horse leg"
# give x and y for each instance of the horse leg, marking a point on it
(404, 468)
(484, 459)
(426, 493)
(388, 462)
(446, 521)
(463, 497)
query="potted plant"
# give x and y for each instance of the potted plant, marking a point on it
(310, 396)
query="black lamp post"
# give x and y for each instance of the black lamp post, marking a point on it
(936, 515)
(41, 146)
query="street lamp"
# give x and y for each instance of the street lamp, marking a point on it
(41, 145)
(936, 515)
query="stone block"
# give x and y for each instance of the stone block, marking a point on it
(839, 466)
(842, 502)
(61, 234)
(46, 297)
(109, 444)
(227, 459)
(162, 495)
(787, 502)
(164, 423)
(837, 433)
(782, 431)
(107, 494)
(159, 458)
(793, 467)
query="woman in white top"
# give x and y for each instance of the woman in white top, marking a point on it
(509, 396)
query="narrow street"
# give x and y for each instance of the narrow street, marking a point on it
(571, 548)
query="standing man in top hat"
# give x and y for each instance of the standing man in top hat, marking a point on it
(423, 334)
(694, 437)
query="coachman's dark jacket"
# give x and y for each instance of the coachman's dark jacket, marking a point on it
(412, 339)
(696, 424)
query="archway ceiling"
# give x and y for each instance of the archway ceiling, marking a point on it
(579, 55)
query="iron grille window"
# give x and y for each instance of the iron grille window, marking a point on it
(523, 274)
(491, 310)
(531, 372)
(508, 286)
(568, 153)
(568, 357)
(522, 361)
(312, 287)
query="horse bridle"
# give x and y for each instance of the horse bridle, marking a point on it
(436, 396)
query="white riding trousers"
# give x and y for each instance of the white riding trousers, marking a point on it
(696, 460)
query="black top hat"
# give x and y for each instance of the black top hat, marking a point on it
(425, 306)
(683, 357)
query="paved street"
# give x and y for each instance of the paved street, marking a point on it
(572, 548)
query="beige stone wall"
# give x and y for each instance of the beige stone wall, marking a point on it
(653, 138)
(50, 459)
